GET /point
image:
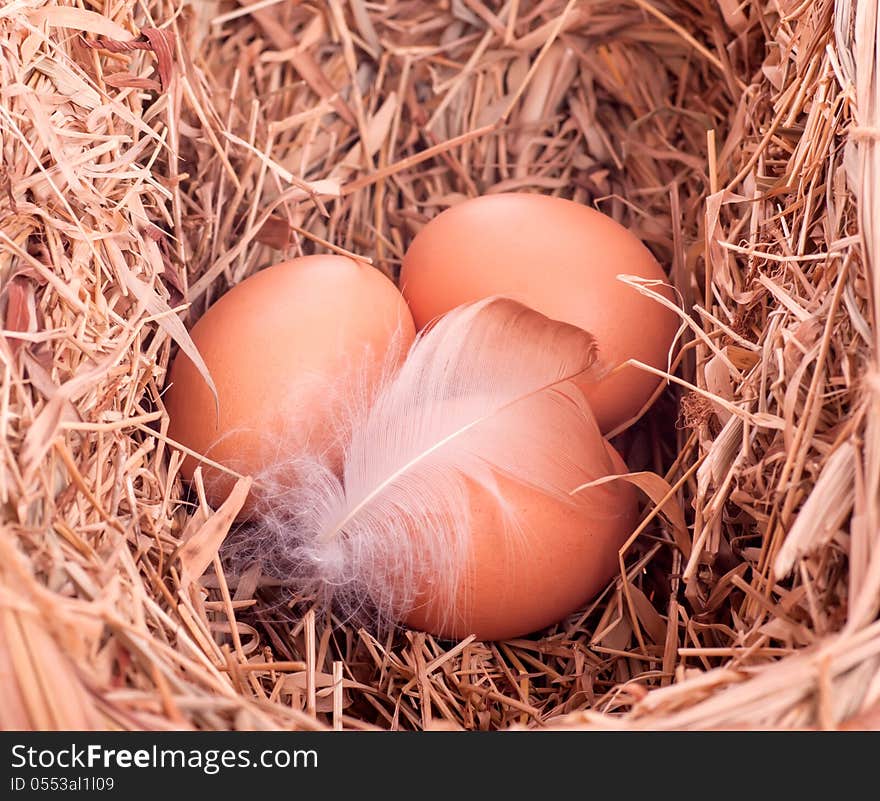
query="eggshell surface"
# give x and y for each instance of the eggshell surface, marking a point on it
(290, 349)
(518, 580)
(561, 258)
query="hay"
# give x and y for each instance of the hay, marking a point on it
(139, 181)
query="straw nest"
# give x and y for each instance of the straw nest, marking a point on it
(157, 153)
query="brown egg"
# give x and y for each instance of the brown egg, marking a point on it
(561, 258)
(289, 349)
(560, 556)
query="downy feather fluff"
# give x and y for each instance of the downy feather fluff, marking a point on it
(465, 406)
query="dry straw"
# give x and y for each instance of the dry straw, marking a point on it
(155, 153)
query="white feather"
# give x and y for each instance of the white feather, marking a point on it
(468, 404)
